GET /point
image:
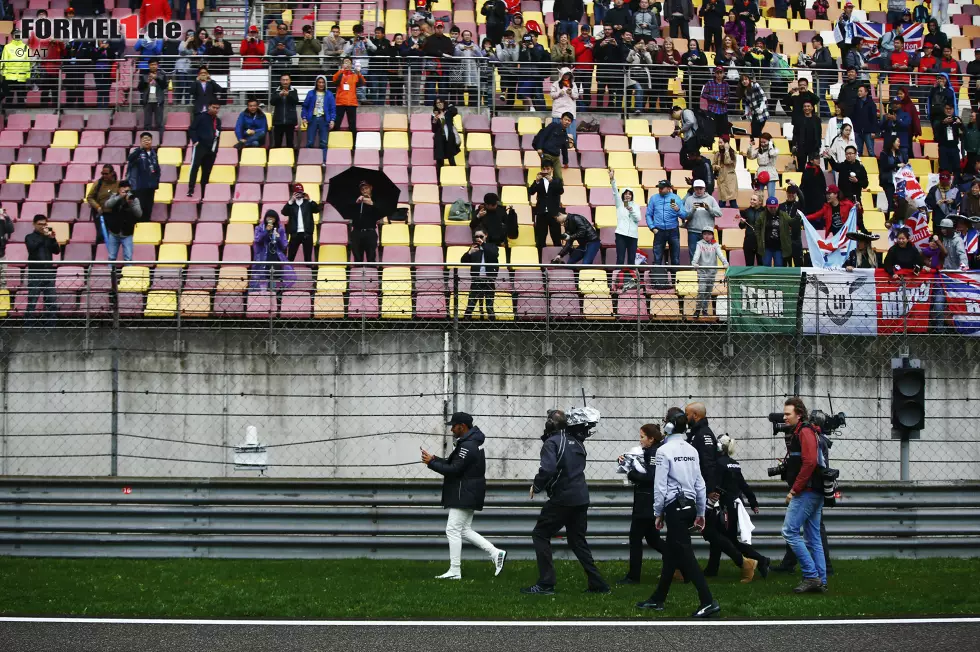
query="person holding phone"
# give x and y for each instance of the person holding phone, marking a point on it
(348, 79)
(42, 246)
(483, 257)
(299, 211)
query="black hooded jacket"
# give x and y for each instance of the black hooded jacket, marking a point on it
(562, 471)
(465, 470)
(706, 444)
(732, 483)
(643, 484)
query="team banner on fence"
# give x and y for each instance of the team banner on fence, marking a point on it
(962, 290)
(839, 302)
(763, 299)
(904, 302)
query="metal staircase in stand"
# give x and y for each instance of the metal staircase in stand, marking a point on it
(230, 15)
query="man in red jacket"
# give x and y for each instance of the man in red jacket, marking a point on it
(805, 498)
(153, 10)
(584, 46)
(252, 49)
(833, 215)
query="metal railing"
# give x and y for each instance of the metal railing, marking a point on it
(348, 369)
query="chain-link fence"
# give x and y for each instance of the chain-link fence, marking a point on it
(347, 371)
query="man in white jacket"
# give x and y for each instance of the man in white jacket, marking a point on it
(706, 259)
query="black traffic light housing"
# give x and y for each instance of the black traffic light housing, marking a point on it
(908, 396)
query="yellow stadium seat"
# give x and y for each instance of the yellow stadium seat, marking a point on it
(395, 235)
(331, 279)
(528, 125)
(135, 278)
(454, 175)
(921, 167)
(195, 303)
(425, 194)
(238, 233)
(164, 194)
(332, 254)
(244, 214)
(686, 283)
(65, 140)
(514, 195)
(454, 254)
(629, 178)
(799, 24)
(340, 140)
(395, 122)
(394, 140)
(597, 178)
(147, 233)
(219, 174)
(525, 238)
(20, 173)
(227, 140)
(396, 293)
(605, 217)
(253, 157)
(426, 235)
(645, 237)
(524, 255)
(593, 282)
(778, 24)
(314, 192)
(170, 156)
(178, 233)
(282, 156)
(4, 302)
(232, 278)
(478, 142)
(637, 127)
(620, 160)
(503, 306)
(874, 221)
(732, 239)
(61, 231)
(170, 251)
(328, 306)
(161, 303)
(509, 158)
(309, 174)
(597, 307)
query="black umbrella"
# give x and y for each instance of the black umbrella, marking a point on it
(345, 188)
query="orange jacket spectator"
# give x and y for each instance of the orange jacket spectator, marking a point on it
(347, 82)
(153, 10)
(252, 53)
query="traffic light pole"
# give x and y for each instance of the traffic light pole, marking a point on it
(906, 476)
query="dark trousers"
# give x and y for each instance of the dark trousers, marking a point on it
(722, 126)
(481, 292)
(575, 520)
(679, 27)
(351, 113)
(797, 257)
(203, 160)
(679, 554)
(640, 529)
(750, 249)
(543, 225)
(719, 543)
(789, 559)
(625, 249)
(145, 197)
(41, 282)
(712, 38)
(731, 532)
(300, 239)
(364, 245)
(153, 117)
(585, 253)
(278, 131)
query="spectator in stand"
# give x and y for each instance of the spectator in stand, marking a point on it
(928, 63)
(252, 126)
(706, 258)
(364, 226)
(820, 8)
(852, 178)
(862, 256)
(493, 219)
(773, 237)
(6, 230)
(552, 141)
(756, 104)
(101, 190)
(445, 139)
(948, 132)
(715, 94)
(943, 199)
(620, 18)
(205, 133)
(906, 104)
(359, 50)
(940, 96)
(700, 168)
(568, 14)
(83, 8)
(347, 80)
(252, 50)
(834, 126)
(517, 24)
(483, 257)
(563, 54)
(685, 127)
(638, 77)
(748, 14)
(123, 211)
(666, 59)
(903, 255)
(701, 212)
(205, 91)
(934, 36)
(51, 52)
(334, 45)
(319, 114)
(219, 52)
(269, 246)
(813, 185)
(855, 59)
(584, 45)
(833, 215)
(664, 212)
(143, 173)
(508, 53)
(806, 136)
(439, 47)
(848, 94)
(973, 71)
(954, 251)
(496, 15)
(151, 10)
(766, 153)
(747, 220)
(844, 29)
(713, 18)
(514, 15)
(148, 48)
(184, 68)
(793, 207)
(899, 61)
(547, 205)
(309, 50)
(422, 14)
(837, 150)
(735, 29)
(564, 99)
(284, 102)
(531, 56)
(581, 239)
(964, 227)
(382, 67)
(104, 56)
(896, 124)
(822, 60)
(280, 49)
(695, 67)
(896, 12)
(301, 227)
(679, 14)
(971, 144)
(627, 222)
(182, 12)
(153, 88)
(646, 21)
(886, 46)
(800, 94)
(42, 247)
(724, 169)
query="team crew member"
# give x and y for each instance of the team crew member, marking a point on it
(679, 502)
(642, 526)
(562, 476)
(732, 486)
(463, 491)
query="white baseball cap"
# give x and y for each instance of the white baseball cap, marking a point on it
(699, 183)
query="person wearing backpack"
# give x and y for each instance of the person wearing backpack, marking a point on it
(494, 219)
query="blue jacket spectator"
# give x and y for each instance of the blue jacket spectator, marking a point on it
(940, 96)
(284, 38)
(143, 172)
(148, 48)
(898, 128)
(329, 106)
(660, 215)
(251, 120)
(864, 116)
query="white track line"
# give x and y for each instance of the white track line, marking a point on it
(494, 623)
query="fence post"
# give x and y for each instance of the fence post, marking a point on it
(455, 340)
(408, 89)
(114, 353)
(798, 354)
(57, 99)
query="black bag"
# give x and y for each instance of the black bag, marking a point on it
(513, 229)
(97, 218)
(705, 134)
(588, 127)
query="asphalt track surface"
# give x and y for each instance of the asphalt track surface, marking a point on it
(57, 635)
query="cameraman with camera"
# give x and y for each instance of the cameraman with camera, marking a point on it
(483, 256)
(495, 220)
(805, 498)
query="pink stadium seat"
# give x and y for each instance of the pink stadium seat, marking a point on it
(396, 255)
(15, 192)
(123, 121)
(395, 157)
(480, 158)
(73, 192)
(228, 304)
(200, 277)
(367, 158)
(83, 155)
(421, 122)
(452, 193)
(427, 214)
(261, 304)
(296, 305)
(422, 140)
(92, 139)
(503, 125)
(506, 141)
(275, 174)
(275, 193)
(18, 122)
(218, 193)
(476, 123)
(166, 278)
(32, 155)
(422, 157)
(77, 251)
(458, 235)
(338, 157)
(72, 122)
(120, 139)
(49, 172)
(112, 155)
(64, 212)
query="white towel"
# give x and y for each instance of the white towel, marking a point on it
(745, 525)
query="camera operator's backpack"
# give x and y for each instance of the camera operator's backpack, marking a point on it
(828, 476)
(705, 133)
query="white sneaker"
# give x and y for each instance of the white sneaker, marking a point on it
(498, 562)
(450, 575)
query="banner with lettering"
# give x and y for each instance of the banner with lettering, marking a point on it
(839, 302)
(909, 296)
(763, 299)
(962, 293)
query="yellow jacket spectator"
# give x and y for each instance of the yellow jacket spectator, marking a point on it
(15, 64)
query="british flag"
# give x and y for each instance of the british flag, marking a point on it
(971, 240)
(962, 291)
(871, 32)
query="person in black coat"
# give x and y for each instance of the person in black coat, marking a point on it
(483, 256)
(642, 524)
(496, 14)
(562, 476)
(733, 485)
(205, 92)
(549, 191)
(463, 492)
(301, 228)
(445, 138)
(497, 221)
(807, 136)
(284, 103)
(205, 133)
(813, 185)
